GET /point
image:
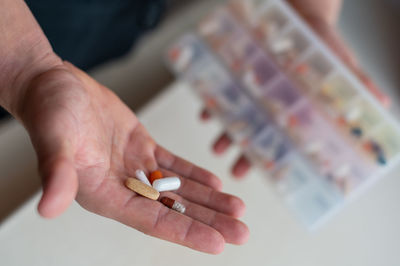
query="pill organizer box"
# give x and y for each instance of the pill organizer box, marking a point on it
(293, 107)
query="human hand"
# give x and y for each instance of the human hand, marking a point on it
(322, 17)
(88, 142)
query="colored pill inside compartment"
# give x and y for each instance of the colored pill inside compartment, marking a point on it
(304, 124)
(337, 92)
(312, 71)
(349, 174)
(246, 122)
(187, 53)
(289, 47)
(209, 79)
(232, 98)
(313, 135)
(269, 24)
(218, 28)
(260, 72)
(238, 54)
(181, 57)
(268, 147)
(383, 144)
(281, 96)
(361, 118)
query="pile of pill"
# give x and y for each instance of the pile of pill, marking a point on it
(152, 186)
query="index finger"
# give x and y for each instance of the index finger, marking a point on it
(154, 219)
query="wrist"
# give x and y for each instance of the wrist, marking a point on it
(22, 72)
(20, 68)
(24, 52)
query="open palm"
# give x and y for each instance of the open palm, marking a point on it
(88, 142)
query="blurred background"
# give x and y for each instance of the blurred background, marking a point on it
(369, 27)
(364, 233)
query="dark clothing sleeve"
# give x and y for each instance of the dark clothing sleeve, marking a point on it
(90, 32)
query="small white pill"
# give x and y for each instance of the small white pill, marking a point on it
(282, 46)
(142, 177)
(167, 184)
(354, 114)
(314, 147)
(342, 171)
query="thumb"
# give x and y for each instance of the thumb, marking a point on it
(49, 111)
(60, 184)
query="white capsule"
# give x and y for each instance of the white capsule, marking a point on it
(354, 114)
(167, 184)
(342, 171)
(314, 147)
(142, 177)
(281, 46)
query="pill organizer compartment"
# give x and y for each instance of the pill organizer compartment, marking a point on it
(210, 79)
(237, 49)
(187, 52)
(350, 174)
(311, 71)
(281, 96)
(238, 54)
(213, 102)
(383, 145)
(292, 175)
(269, 24)
(361, 117)
(217, 28)
(259, 74)
(336, 94)
(268, 147)
(289, 47)
(232, 97)
(244, 124)
(358, 119)
(304, 124)
(305, 193)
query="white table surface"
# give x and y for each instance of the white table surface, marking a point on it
(365, 232)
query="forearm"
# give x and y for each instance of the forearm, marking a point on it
(24, 52)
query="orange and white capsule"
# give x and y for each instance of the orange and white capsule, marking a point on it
(173, 204)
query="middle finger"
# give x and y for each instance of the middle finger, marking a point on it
(208, 197)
